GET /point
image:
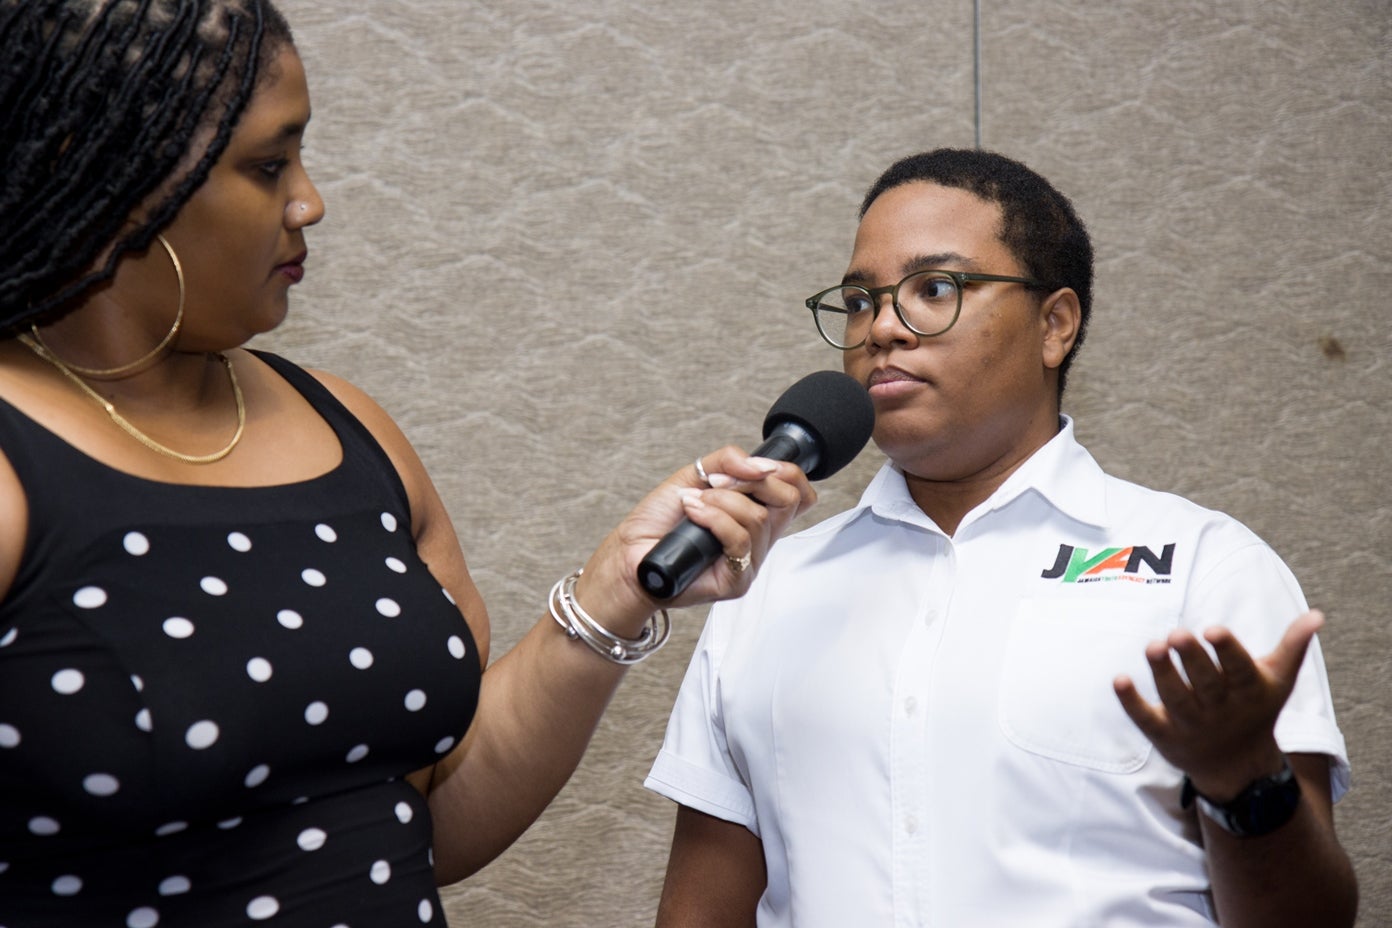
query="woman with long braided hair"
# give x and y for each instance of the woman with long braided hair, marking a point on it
(244, 671)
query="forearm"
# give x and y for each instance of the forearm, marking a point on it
(539, 704)
(716, 874)
(1298, 875)
(538, 708)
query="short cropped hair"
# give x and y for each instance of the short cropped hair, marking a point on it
(107, 106)
(1038, 224)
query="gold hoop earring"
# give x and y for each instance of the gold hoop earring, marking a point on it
(145, 360)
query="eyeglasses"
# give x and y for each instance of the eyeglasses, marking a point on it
(928, 302)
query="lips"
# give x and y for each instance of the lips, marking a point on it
(294, 268)
(881, 376)
(892, 385)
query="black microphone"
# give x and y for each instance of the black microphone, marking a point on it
(819, 423)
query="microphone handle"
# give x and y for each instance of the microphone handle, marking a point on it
(678, 559)
(688, 549)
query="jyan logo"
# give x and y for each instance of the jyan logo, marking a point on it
(1078, 565)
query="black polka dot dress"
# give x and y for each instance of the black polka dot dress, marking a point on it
(209, 696)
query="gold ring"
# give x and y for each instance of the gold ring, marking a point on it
(740, 564)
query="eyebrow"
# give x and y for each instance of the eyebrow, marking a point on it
(946, 260)
(292, 130)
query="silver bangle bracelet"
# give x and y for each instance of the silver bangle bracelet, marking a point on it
(579, 624)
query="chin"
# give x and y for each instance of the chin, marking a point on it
(911, 449)
(270, 318)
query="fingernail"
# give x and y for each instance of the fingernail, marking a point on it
(764, 464)
(690, 496)
(722, 481)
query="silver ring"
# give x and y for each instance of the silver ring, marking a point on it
(740, 564)
(701, 472)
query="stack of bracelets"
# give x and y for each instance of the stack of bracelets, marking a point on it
(579, 624)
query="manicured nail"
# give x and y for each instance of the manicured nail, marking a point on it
(722, 481)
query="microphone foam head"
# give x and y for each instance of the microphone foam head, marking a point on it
(835, 409)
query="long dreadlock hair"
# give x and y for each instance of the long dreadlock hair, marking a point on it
(107, 106)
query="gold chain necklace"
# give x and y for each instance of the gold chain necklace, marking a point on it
(44, 352)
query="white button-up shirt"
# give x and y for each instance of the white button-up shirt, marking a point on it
(922, 729)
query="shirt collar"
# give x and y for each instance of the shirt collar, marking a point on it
(1062, 471)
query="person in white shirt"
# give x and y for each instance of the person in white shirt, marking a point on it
(1006, 688)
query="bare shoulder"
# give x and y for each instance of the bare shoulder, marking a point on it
(361, 404)
(383, 428)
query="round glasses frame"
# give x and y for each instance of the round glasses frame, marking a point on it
(960, 279)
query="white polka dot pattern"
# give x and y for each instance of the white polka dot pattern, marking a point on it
(312, 839)
(101, 784)
(178, 628)
(174, 886)
(259, 669)
(43, 825)
(143, 917)
(202, 735)
(67, 885)
(262, 908)
(316, 712)
(90, 597)
(68, 681)
(284, 663)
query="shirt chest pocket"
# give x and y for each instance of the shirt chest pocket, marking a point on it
(1056, 696)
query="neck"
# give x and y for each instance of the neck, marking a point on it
(948, 499)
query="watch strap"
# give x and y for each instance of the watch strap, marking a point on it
(1263, 806)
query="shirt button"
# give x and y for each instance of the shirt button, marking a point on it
(930, 617)
(910, 706)
(910, 824)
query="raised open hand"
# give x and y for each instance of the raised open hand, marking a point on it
(1216, 720)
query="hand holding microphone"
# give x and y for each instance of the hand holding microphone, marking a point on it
(819, 423)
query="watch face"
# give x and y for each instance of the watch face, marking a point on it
(1266, 805)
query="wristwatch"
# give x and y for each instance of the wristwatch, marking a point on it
(1264, 806)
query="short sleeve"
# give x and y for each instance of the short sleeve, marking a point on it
(1242, 584)
(694, 766)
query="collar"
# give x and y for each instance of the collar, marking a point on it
(1062, 472)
